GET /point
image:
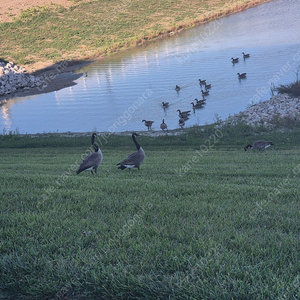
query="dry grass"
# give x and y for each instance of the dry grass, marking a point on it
(87, 30)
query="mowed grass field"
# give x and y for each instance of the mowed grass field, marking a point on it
(202, 219)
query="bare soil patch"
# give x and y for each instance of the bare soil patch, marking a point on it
(10, 9)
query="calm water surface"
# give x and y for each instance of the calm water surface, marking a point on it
(122, 90)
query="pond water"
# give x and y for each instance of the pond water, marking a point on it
(120, 91)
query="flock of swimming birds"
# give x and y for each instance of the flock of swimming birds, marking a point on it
(134, 160)
(92, 161)
(205, 87)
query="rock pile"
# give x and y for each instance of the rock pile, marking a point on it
(14, 78)
(266, 112)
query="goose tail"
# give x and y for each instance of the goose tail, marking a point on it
(122, 167)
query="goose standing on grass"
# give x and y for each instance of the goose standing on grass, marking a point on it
(241, 76)
(245, 55)
(93, 160)
(148, 124)
(259, 145)
(135, 159)
(163, 125)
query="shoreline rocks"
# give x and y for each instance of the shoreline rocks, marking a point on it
(14, 78)
(267, 112)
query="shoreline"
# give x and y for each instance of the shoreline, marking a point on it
(57, 78)
(268, 113)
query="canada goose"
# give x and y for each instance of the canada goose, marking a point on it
(163, 125)
(234, 60)
(181, 122)
(93, 160)
(183, 114)
(197, 105)
(165, 104)
(241, 76)
(245, 55)
(184, 117)
(135, 159)
(200, 101)
(204, 93)
(207, 86)
(148, 124)
(202, 82)
(177, 88)
(259, 145)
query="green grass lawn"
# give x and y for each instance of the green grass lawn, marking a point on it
(193, 223)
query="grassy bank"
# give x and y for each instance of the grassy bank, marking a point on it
(202, 219)
(90, 29)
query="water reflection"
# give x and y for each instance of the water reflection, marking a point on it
(6, 115)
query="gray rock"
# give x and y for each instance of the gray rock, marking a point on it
(14, 77)
(263, 112)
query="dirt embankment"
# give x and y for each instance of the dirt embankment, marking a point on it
(10, 9)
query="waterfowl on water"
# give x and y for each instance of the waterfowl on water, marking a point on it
(245, 55)
(259, 145)
(163, 125)
(241, 76)
(177, 88)
(207, 86)
(148, 124)
(197, 105)
(184, 117)
(234, 60)
(204, 93)
(135, 159)
(200, 101)
(202, 82)
(93, 160)
(184, 114)
(165, 104)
